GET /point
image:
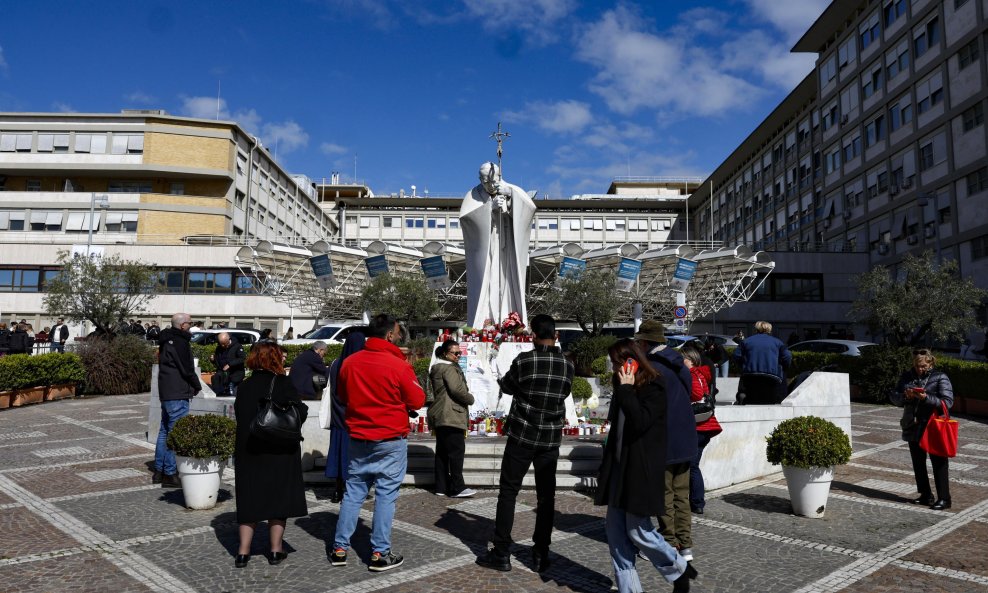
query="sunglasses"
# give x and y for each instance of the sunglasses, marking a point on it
(456, 353)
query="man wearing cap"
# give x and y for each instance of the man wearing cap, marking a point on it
(676, 523)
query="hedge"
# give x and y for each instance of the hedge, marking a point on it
(203, 353)
(20, 371)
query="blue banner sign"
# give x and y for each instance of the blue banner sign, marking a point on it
(572, 267)
(685, 270)
(376, 265)
(323, 270)
(434, 269)
(627, 274)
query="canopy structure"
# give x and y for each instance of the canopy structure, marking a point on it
(724, 276)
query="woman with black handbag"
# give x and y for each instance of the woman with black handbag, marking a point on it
(922, 391)
(268, 470)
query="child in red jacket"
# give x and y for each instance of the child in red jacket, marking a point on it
(705, 430)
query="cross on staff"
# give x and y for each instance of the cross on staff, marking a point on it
(499, 137)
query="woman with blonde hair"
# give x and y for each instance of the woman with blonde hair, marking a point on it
(268, 473)
(923, 391)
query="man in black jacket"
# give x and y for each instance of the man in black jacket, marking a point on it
(229, 360)
(20, 341)
(58, 336)
(177, 384)
(307, 365)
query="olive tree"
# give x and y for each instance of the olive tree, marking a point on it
(922, 298)
(104, 290)
(406, 297)
(589, 298)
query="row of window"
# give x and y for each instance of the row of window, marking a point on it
(542, 223)
(180, 281)
(113, 221)
(791, 288)
(76, 142)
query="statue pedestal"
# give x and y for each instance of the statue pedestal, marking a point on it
(483, 363)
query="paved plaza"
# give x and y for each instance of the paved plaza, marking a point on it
(78, 513)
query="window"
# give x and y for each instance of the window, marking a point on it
(43, 220)
(11, 220)
(870, 31)
(129, 187)
(828, 70)
(32, 185)
(792, 288)
(392, 222)
(210, 282)
(847, 52)
(976, 182)
(414, 222)
(830, 116)
(967, 54)
(177, 188)
(46, 142)
(80, 222)
(926, 36)
(959, 3)
(10, 142)
(430, 223)
(90, 143)
(897, 61)
(900, 113)
(128, 144)
(15, 280)
(979, 250)
(871, 82)
(572, 224)
(852, 148)
(973, 117)
(875, 131)
(454, 223)
(929, 93)
(848, 100)
(893, 10)
(171, 280)
(637, 224)
(245, 285)
(120, 222)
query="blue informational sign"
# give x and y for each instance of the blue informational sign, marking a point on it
(376, 265)
(323, 270)
(685, 270)
(627, 273)
(434, 269)
(572, 267)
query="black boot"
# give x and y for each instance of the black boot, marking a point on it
(682, 584)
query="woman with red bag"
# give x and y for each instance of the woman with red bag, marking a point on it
(921, 392)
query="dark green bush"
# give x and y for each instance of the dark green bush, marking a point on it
(117, 366)
(588, 348)
(203, 353)
(421, 367)
(422, 347)
(20, 371)
(601, 365)
(207, 435)
(967, 377)
(877, 370)
(581, 388)
(811, 361)
(808, 441)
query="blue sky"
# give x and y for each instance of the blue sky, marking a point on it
(413, 89)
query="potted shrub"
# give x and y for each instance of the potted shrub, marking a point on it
(202, 445)
(808, 449)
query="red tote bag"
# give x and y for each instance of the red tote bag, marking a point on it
(940, 436)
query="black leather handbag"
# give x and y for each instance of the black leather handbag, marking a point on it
(277, 421)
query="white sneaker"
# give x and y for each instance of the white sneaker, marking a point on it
(465, 493)
(687, 554)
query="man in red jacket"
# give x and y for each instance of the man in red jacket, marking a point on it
(378, 388)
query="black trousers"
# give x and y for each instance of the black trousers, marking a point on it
(514, 465)
(763, 391)
(450, 448)
(940, 465)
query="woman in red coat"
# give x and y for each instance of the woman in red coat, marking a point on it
(705, 430)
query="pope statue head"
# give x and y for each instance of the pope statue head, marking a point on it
(489, 177)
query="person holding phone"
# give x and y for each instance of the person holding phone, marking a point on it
(920, 393)
(631, 479)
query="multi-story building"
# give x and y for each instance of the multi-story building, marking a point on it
(881, 150)
(149, 185)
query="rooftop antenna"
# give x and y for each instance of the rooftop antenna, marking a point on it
(355, 168)
(217, 99)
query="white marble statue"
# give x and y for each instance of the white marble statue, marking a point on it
(496, 220)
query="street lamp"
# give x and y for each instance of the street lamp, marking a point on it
(922, 201)
(104, 202)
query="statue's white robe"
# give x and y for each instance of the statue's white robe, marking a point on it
(497, 248)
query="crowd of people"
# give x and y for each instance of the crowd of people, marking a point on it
(649, 479)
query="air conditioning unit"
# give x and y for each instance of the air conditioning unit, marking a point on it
(848, 215)
(843, 119)
(907, 183)
(912, 239)
(883, 248)
(929, 232)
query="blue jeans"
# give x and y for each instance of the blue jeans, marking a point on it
(57, 347)
(697, 500)
(382, 464)
(171, 411)
(724, 368)
(627, 534)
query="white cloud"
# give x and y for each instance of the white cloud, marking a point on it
(756, 51)
(536, 18)
(3, 62)
(205, 107)
(286, 136)
(792, 17)
(561, 117)
(140, 97)
(331, 149)
(63, 107)
(637, 69)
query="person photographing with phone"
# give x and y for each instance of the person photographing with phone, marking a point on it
(922, 391)
(631, 479)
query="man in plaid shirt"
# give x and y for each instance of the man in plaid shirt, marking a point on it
(540, 380)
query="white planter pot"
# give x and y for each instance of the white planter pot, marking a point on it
(200, 480)
(809, 489)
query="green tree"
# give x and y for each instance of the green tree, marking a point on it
(590, 299)
(103, 290)
(406, 297)
(924, 298)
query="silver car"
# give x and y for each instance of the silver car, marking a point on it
(846, 347)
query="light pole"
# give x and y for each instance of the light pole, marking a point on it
(922, 201)
(104, 202)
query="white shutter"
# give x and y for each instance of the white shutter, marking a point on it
(4, 220)
(39, 217)
(114, 217)
(98, 145)
(54, 218)
(129, 217)
(83, 142)
(76, 221)
(8, 142)
(24, 141)
(135, 142)
(46, 142)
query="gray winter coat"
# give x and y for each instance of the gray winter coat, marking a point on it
(916, 413)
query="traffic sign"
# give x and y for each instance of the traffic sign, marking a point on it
(679, 312)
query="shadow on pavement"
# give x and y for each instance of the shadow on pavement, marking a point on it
(470, 529)
(759, 502)
(175, 496)
(868, 492)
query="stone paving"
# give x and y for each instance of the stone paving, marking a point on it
(78, 513)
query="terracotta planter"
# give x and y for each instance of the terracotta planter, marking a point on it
(972, 406)
(5, 399)
(207, 378)
(31, 395)
(56, 392)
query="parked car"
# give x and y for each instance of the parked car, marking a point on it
(333, 333)
(678, 341)
(722, 339)
(207, 337)
(847, 347)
